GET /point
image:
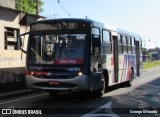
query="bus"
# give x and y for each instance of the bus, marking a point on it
(80, 55)
(152, 56)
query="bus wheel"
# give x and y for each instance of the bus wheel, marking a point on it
(130, 82)
(53, 93)
(101, 91)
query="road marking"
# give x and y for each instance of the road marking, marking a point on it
(155, 99)
(23, 99)
(11, 107)
(96, 113)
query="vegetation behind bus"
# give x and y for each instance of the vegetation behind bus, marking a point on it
(29, 6)
(151, 64)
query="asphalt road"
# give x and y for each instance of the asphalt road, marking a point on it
(142, 99)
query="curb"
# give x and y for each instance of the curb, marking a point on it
(17, 93)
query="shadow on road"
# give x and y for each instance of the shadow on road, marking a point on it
(145, 97)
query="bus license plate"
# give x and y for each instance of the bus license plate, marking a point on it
(54, 82)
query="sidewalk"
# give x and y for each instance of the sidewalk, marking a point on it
(6, 95)
(10, 90)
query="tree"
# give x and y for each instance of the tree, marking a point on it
(144, 51)
(29, 6)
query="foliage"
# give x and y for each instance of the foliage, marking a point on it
(151, 64)
(29, 6)
(144, 51)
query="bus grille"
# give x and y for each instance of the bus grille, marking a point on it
(61, 85)
(55, 76)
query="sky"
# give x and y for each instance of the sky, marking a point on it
(137, 16)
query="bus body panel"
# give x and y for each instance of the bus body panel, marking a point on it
(108, 64)
(125, 64)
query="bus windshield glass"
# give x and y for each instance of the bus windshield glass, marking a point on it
(57, 49)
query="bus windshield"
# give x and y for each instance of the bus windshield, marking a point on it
(57, 49)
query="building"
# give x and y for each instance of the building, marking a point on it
(8, 3)
(154, 54)
(12, 24)
(157, 49)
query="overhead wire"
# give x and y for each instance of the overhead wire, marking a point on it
(63, 8)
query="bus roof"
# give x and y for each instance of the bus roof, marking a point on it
(95, 24)
(121, 31)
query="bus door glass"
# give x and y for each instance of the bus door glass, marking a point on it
(138, 56)
(115, 56)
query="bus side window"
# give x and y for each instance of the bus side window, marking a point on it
(107, 45)
(124, 44)
(133, 45)
(120, 44)
(129, 45)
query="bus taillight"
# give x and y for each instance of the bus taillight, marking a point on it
(27, 72)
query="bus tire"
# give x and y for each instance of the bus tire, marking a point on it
(106, 76)
(130, 82)
(101, 91)
(53, 93)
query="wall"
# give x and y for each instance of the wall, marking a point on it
(12, 62)
(8, 3)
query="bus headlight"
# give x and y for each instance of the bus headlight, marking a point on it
(80, 74)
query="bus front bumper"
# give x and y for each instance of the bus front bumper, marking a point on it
(78, 83)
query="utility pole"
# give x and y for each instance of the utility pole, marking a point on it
(37, 7)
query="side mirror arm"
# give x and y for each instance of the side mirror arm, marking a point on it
(20, 39)
(23, 51)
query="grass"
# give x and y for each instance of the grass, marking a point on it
(151, 64)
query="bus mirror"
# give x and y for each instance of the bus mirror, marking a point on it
(95, 41)
(21, 42)
(21, 45)
(95, 44)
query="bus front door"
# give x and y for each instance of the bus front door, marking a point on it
(115, 58)
(138, 57)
